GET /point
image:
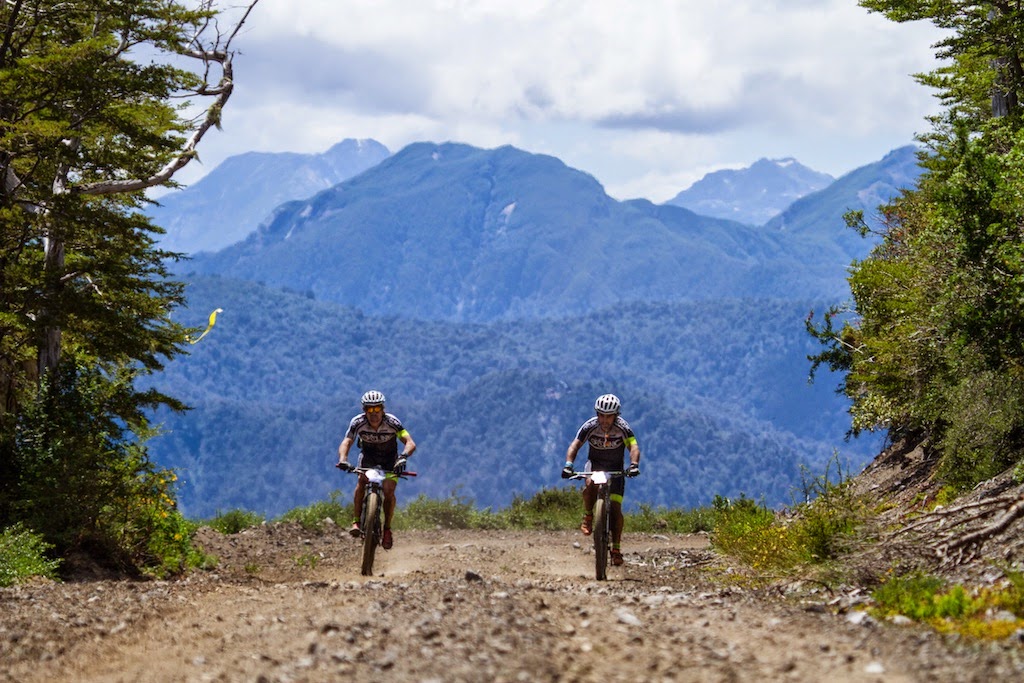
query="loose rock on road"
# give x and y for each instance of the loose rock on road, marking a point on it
(285, 604)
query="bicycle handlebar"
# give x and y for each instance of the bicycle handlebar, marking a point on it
(611, 473)
(359, 470)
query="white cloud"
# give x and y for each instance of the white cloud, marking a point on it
(643, 94)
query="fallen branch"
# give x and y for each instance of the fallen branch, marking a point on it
(1009, 517)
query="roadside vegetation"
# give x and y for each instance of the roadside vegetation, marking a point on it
(990, 613)
(87, 305)
(548, 509)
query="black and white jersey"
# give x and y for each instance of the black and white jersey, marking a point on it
(379, 443)
(607, 448)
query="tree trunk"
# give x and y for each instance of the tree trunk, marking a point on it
(49, 347)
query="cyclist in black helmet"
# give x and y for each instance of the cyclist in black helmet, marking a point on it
(607, 436)
(377, 434)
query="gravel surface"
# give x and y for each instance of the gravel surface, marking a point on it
(285, 604)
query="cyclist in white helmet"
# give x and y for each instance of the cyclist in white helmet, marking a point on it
(607, 436)
(377, 433)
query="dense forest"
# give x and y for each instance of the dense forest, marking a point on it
(718, 393)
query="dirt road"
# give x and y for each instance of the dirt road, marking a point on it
(288, 605)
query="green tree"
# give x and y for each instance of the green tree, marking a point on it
(937, 346)
(96, 106)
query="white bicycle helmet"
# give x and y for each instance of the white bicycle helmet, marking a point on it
(607, 404)
(373, 398)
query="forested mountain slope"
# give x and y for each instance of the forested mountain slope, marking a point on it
(458, 233)
(491, 294)
(716, 391)
(230, 201)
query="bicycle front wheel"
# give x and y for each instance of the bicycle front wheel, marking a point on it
(371, 533)
(601, 539)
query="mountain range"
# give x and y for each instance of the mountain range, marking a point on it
(752, 195)
(448, 231)
(492, 294)
(224, 206)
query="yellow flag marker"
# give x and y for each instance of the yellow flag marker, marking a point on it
(209, 326)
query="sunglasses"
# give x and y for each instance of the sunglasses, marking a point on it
(373, 409)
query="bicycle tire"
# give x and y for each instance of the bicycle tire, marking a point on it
(601, 539)
(371, 531)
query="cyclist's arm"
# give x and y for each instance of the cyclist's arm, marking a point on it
(574, 448)
(410, 445)
(634, 453)
(343, 448)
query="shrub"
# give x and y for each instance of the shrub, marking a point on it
(233, 521)
(647, 519)
(453, 512)
(23, 555)
(828, 516)
(312, 516)
(748, 531)
(921, 597)
(952, 609)
(149, 528)
(555, 508)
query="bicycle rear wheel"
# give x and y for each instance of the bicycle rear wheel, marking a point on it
(371, 530)
(601, 539)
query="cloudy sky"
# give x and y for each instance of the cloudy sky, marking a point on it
(647, 96)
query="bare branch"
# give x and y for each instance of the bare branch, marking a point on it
(218, 52)
(1009, 517)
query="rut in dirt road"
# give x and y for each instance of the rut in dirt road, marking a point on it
(286, 605)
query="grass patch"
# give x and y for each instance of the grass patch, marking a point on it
(453, 512)
(816, 531)
(555, 508)
(233, 521)
(312, 517)
(990, 613)
(665, 520)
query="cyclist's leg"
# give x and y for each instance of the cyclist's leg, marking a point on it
(357, 497)
(617, 522)
(618, 488)
(589, 498)
(389, 501)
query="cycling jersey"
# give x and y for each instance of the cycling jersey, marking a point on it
(379, 446)
(607, 448)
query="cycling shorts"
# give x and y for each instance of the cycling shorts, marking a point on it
(384, 461)
(617, 485)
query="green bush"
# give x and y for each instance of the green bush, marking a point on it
(233, 521)
(815, 531)
(649, 520)
(922, 597)
(555, 508)
(312, 516)
(828, 516)
(749, 531)
(84, 480)
(454, 512)
(23, 554)
(147, 527)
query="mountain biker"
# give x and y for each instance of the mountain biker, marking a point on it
(608, 436)
(377, 433)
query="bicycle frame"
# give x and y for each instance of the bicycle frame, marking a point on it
(602, 529)
(371, 520)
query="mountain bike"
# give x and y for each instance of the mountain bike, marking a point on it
(371, 521)
(602, 528)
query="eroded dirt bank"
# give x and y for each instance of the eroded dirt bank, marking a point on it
(288, 605)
